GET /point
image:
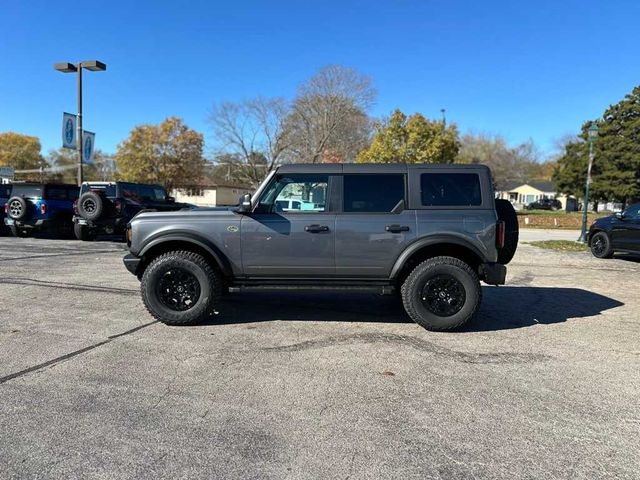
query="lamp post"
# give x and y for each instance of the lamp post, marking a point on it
(94, 66)
(592, 134)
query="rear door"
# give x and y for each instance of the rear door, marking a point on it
(373, 225)
(280, 238)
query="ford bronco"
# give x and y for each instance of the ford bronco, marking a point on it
(429, 232)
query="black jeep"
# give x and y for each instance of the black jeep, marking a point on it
(107, 207)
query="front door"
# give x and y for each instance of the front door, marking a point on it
(373, 227)
(291, 231)
(625, 232)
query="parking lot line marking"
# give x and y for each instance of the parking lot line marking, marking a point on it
(67, 356)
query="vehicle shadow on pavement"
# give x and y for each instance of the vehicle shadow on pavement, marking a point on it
(516, 307)
(502, 308)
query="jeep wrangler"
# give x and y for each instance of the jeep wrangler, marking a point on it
(40, 206)
(429, 232)
(107, 207)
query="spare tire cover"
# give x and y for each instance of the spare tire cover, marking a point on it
(90, 205)
(17, 208)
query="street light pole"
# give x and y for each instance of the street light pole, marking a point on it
(66, 67)
(592, 134)
(79, 135)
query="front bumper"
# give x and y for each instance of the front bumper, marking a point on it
(493, 273)
(131, 262)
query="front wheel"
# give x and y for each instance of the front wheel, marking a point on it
(441, 294)
(601, 245)
(181, 288)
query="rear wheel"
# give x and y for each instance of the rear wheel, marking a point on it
(601, 245)
(20, 232)
(181, 288)
(82, 232)
(441, 294)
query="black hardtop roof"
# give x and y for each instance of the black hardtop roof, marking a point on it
(45, 184)
(337, 168)
(100, 182)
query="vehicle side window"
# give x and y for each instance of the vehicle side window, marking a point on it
(373, 193)
(450, 189)
(130, 191)
(73, 193)
(146, 192)
(159, 193)
(56, 193)
(633, 212)
(295, 193)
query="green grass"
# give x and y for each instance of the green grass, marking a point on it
(560, 245)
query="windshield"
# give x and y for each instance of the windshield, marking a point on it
(27, 191)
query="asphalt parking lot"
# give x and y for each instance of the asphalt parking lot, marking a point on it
(544, 384)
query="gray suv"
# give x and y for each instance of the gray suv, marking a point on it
(429, 232)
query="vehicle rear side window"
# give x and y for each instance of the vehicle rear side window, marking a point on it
(450, 189)
(27, 191)
(130, 191)
(56, 193)
(373, 193)
(73, 193)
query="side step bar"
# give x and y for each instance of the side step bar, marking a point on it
(379, 289)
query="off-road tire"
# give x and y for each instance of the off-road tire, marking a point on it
(82, 232)
(600, 245)
(412, 291)
(90, 205)
(23, 205)
(19, 232)
(209, 279)
(507, 214)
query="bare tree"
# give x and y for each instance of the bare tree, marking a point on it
(251, 136)
(329, 116)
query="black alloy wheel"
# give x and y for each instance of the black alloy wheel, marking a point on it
(443, 295)
(178, 290)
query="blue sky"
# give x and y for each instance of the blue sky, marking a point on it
(519, 69)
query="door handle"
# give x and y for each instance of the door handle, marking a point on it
(316, 228)
(396, 228)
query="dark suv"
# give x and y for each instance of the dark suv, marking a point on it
(431, 232)
(107, 207)
(37, 206)
(616, 233)
(545, 204)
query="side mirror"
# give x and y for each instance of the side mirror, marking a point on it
(171, 199)
(244, 205)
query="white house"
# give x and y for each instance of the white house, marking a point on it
(522, 194)
(210, 195)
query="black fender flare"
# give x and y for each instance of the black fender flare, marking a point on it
(429, 241)
(192, 238)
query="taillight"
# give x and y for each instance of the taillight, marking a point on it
(43, 208)
(75, 207)
(6, 208)
(500, 233)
